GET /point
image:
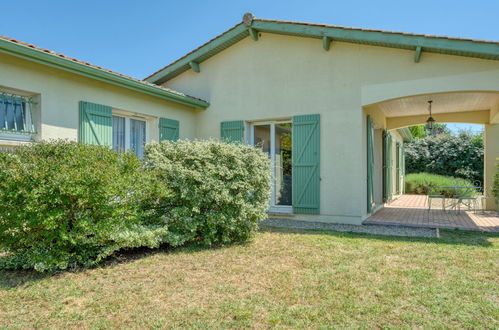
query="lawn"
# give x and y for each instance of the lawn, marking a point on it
(283, 278)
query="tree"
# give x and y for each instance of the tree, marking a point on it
(420, 131)
(458, 156)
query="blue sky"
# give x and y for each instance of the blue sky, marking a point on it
(138, 37)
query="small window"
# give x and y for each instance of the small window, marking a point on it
(129, 134)
(15, 114)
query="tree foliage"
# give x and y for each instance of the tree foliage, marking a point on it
(458, 156)
(420, 131)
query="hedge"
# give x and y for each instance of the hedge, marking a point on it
(66, 205)
(457, 156)
(426, 183)
(219, 191)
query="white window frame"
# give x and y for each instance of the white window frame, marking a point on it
(273, 208)
(127, 127)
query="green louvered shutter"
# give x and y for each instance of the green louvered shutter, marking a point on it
(387, 160)
(370, 165)
(232, 131)
(306, 164)
(168, 129)
(96, 124)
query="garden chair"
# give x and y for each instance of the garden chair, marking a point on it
(434, 193)
(469, 197)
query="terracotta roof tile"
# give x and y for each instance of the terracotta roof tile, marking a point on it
(94, 66)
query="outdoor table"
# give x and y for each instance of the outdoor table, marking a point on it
(455, 203)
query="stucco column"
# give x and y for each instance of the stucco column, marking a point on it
(491, 158)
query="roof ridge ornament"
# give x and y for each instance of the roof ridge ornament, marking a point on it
(248, 19)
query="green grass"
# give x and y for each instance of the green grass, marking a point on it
(284, 278)
(424, 183)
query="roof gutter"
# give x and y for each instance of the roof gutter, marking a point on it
(65, 64)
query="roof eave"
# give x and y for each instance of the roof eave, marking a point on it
(65, 64)
(421, 43)
(434, 44)
(201, 54)
(406, 134)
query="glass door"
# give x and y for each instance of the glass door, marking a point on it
(275, 139)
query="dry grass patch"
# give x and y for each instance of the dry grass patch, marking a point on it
(282, 278)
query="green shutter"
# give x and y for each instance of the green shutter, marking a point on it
(387, 165)
(168, 129)
(96, 124)
(306, 161)
(232, 131)
(370, 165)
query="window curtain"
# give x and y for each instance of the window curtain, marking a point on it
(137, 136)
(118, 134)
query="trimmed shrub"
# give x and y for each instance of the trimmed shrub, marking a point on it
(219, 191)
(425, 183)
(64, 204)
(458, 156)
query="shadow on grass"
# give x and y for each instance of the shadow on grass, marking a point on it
(10, 279)
(447, 236)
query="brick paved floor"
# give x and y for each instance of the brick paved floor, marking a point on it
(412, 210)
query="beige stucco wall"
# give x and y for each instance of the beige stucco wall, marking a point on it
(491, 139)
(58, 93)
(282, 76)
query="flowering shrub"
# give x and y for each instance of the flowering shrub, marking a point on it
(219, 191)
(65, 204)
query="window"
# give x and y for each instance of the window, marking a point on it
(15, 114)
(129, 134)
(275, 139)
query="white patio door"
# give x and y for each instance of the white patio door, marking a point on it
(275, 138)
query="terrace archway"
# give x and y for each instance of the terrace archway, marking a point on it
(474, 107)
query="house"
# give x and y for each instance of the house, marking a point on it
(331, 105)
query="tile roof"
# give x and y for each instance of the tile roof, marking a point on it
(72, 59)
(429, 43)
